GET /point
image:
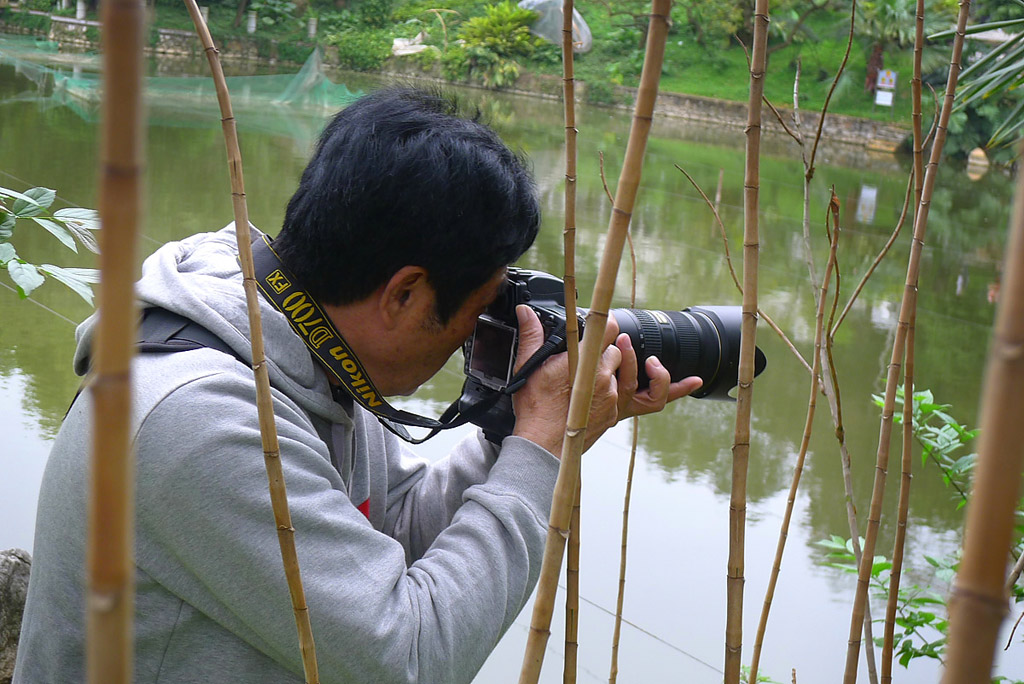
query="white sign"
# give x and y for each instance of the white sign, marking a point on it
(886, 79)
(866, 204)
(883, 97)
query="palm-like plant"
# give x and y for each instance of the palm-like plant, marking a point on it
(996, 73)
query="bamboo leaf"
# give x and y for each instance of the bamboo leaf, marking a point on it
(73, 279)
(58, 231)
(25, 276)
(33, 202)
(6, 253)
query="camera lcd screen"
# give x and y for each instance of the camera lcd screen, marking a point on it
(494, 346)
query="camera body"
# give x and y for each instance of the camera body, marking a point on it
(700, 340)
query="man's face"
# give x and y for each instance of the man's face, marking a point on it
(427, 353)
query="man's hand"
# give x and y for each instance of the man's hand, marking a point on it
(542, 405)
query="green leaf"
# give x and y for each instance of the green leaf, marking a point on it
(25, 276)
(77, 279)
(33, 202)
(58, 231)
(7, 225)
(89, 218)
(6, 252)
(80, 222)
(7, 192)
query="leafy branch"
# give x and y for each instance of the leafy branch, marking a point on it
(69, 226)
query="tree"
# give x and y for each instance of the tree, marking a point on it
(889, 25)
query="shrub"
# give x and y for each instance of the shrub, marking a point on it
(41, 5)
(492, 44)
(293, 52)
(600, 92)
(375, 13)
(279, 13)
(504, 29)
(32, 22)
(362, 50)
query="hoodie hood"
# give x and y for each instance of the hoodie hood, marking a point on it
(200, 278)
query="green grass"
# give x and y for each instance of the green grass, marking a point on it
(720, 70)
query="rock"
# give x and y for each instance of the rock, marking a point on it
(14, 567)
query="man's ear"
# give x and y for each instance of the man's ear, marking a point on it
(407, 292)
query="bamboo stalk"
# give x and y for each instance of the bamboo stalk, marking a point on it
(620, 598)
(977, 604)
(264, 402)
(744, 395)
(613, 673)
(903, 509)
(110, 566)
(915, 91)
(907, 308)
(593, 346)
(572, 569)
(804, 443)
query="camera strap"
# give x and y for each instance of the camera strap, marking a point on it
(315, 329)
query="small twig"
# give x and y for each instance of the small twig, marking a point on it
(831, 90)
(604, 181)
(728, 260)
(782, 122)
(1011, 579)
(1009, 639)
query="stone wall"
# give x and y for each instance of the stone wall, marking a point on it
(838, 128)
(74, 31)
(177, 42)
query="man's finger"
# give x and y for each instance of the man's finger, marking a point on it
(628, 368)
(611, 330)
(531, 334)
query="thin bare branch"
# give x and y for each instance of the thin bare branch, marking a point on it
(732, 271)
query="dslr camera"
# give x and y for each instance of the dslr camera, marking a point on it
(700, 340)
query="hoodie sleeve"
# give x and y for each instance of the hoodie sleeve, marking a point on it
(423, 497)
(206, 532)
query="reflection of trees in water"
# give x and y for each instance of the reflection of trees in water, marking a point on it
(680, 261)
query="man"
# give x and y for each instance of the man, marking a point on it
(401, 228)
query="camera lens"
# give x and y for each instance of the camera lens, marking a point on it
(702, 341)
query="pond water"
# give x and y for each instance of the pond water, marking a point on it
(675, 592)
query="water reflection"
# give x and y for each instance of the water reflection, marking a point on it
(685, 452)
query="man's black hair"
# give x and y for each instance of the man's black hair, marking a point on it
(399, 179)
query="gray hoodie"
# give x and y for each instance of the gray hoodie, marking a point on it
(412, 571)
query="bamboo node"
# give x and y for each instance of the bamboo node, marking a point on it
(995, 604)
(627, 214)
(102, 601)
(285, 528)
(572, 433)
(272, 454)
(1009, 351)
(643, 118)
(564, 533)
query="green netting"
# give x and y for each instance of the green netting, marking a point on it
(288, 104)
